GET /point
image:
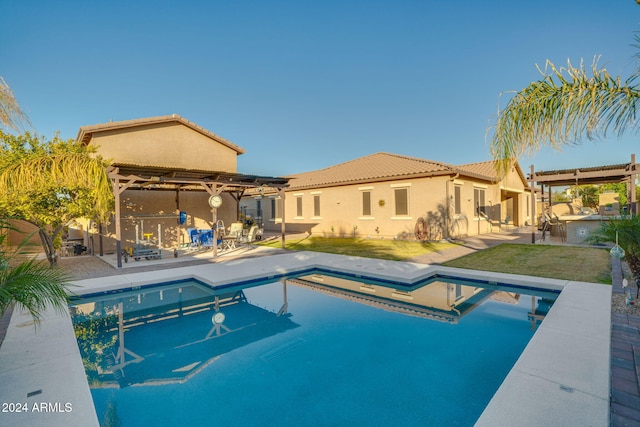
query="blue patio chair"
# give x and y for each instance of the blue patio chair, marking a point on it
(206, 238)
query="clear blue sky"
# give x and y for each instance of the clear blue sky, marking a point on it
(302, 85)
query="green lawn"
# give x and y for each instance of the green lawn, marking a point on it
(396, 250)
(559, 262)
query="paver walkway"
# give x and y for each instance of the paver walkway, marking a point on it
(625, 361)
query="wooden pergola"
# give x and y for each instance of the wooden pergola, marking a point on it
(132, 177)
(624, 172)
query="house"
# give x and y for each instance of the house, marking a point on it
(164, 170)
(386, 195)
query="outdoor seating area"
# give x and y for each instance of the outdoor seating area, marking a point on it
(228, 238)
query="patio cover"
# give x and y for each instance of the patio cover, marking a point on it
(624, 172)
(124, 177)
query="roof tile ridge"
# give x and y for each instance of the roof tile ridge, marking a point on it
(332, 166)
(435, 162)
(477, 163)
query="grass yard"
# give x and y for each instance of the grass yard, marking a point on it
(395, 250)
(586, 264)
(559, 262)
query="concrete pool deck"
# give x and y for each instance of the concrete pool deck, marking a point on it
(562, 377)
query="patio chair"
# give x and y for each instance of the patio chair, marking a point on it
(559, 225)
(206, 238)
(251, 236)
(194, 237)
(507, 221)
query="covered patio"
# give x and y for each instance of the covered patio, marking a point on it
(169, 177)
(180, 180)
(576, 225)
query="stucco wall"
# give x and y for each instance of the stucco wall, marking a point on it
(167, 145)
(341, 208)
(148, 209)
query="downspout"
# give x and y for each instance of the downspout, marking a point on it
(448, 205)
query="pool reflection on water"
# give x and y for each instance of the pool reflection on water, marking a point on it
(315, 349)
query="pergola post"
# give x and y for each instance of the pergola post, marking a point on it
(533, 205)
(116, 192)
(178, 225)
(214, 190)
(282, 195)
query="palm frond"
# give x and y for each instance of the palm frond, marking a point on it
(562, 108)
(11, 115)
(34, 286)
(69, 170)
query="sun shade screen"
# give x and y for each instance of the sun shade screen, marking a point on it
(458, 199)
(402, 201)
(478, 196)
(366, 203)
(299, 206)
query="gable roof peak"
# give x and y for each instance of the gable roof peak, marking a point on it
(86, 132)
(379, 166)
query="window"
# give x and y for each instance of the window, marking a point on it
(478, 202)
(299, 206)
(276, 208)
(316, 205)
(366, 203)
(457, 206)
(402, 201)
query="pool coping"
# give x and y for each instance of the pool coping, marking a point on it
(562, 376)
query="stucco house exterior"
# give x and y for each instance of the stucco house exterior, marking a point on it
(162, 167)
(164, 171)
(386, 195)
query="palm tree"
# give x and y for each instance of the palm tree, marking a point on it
(51, 184)
(25, 282)
(566, 105)
(28, 283)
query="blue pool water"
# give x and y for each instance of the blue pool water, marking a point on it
(313, 350)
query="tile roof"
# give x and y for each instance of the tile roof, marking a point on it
(484, 170)
(487, 171)
(374, 167)
(86, 132)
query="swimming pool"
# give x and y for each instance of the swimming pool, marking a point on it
(315, 349)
